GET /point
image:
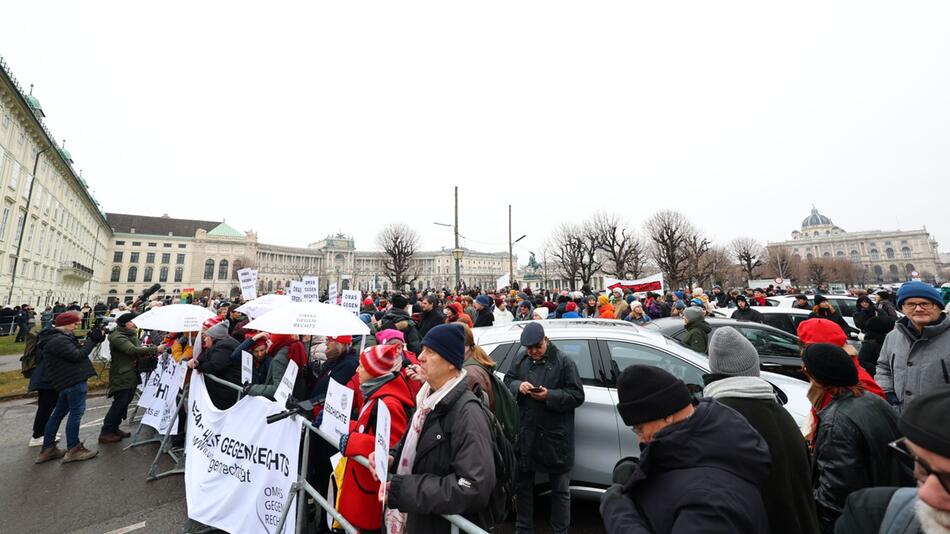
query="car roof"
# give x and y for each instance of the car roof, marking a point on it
(811, 296)
(775, 309)
(563, 328)
(668, 324)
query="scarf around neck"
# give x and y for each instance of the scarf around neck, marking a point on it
(741, 387)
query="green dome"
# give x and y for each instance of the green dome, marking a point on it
(223, 230)
(35, 105)
(66, 155)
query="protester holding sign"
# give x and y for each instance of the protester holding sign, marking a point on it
(258, 345)
(436, 475)
(215, 359)
(125, 347)
(284, 349)
(380, 381)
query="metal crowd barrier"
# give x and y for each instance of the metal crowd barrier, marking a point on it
(301, 488)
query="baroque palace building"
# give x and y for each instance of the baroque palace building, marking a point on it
(887, 256)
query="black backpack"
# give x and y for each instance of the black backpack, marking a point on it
(28, 360)
(503, 453)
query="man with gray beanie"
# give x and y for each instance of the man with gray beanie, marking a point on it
(734, 381)
(215, 359)
(697, 329)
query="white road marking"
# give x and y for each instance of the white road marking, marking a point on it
(129, 528)
(92, 423)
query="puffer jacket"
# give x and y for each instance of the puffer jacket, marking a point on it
(454, 445)
(67, 362)
(851, 452)
(358, 499)
(700, 475)
(747, 314)
(217, 362)
(125, 347)
(400, 320)
(546, 437)
(911, 364)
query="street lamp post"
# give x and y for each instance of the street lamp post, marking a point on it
(457, 251)
(26, 217)
(511, 246)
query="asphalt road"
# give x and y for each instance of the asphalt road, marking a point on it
(10, 362)
(109, 494)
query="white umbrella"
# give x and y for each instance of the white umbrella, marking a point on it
(174, 318)
(261, 305)
(310, 318)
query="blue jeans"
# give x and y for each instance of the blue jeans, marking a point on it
(72, 400)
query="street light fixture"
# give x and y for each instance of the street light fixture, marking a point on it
(457, 251)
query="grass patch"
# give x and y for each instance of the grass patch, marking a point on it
(13, 382)
(9, 346)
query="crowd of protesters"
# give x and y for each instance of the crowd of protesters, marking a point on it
(732, 461)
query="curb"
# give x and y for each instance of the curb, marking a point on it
(97, 392)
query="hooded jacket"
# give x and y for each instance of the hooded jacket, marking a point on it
(861, 315)
(125, 348)
(400, 320)
(697, 335)
(747, 314)
(912, 364)
(700, 475)
(67, 362)
(358, 500)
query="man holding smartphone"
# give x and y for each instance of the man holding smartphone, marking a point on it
(548, 389)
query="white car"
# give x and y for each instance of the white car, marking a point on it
(844, 304)
(602, 349)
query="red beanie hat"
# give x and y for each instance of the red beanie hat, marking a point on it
(570, 306)
(343, 340)
(821, 331)
(379, 359)
(67, 318)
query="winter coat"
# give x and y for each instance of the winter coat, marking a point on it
(605, 311)
(502, 316)
(834, 317)
(67, 362)
(342, 370)
(869, 354)
(546, 437)
(217, 362)
(865, 510)
(886, 307)
(700, 475)
(484, 317)
(851, 452)
(912, 364)
(697, 335)
(621, 308)
(861, 315)
(571, 315)
(358, 499)
(430, 319)
(787, 492)
(747, 314)
(454, 446)
(400, 320)
(39, 379)
(644, 319)
(125, 347)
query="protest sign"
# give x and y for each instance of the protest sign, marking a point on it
(248, 281)
(503, 282)
(164, 404)
(311, 288)
(196, 348)
(286, 386)
(336, 410)
(247, 366)
(239, 469)
(296, 291)
(382, 446)
(651, 283)
(351, 300)
(148, 390)
(331, 293)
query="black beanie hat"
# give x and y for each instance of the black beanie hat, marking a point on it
(647, 393)
(830, 365)
(124, 319)
(400, 301)
(923, 421)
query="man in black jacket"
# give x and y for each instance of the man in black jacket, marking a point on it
(397, 317)
(734, 381)
(483, 311)
(67, 367)
(431, 314)
(744, 312)
(700, 471)
(215, 360)
(548, 389)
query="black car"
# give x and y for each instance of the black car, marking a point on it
(778, 350)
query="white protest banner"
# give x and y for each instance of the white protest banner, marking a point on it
(247, 278)
(239, 469)
(148, 390)
(382, 446)
(331, 293)
(296, 291)
(351, 300)
(286, 386)
(311, 288)
(164, 404)
(196, 348)
(247, 366)
(650, 283)
(336, 410)
(503, 282)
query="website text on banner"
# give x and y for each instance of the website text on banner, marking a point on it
(162, 407)
(238, 469)
(248, 281)
(643, 285)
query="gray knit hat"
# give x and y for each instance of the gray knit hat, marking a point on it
(730, 353)
(693, 314)
(218, 331)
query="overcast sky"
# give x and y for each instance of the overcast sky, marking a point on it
(298, 119)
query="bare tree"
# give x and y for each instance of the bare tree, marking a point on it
(567, 251)
(781, 262)
(701, 262)
(817, 271)
(399, 243)
(591, 260)
(748, 253)
(719, 268)
(622, 249)
(673, 242)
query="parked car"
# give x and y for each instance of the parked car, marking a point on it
(844, 304)
(778, 350)
(784, 318)
(602, 349)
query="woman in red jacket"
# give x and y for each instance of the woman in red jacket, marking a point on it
(379, 381)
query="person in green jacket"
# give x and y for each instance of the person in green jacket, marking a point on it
(125, 348)
(697, 329)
